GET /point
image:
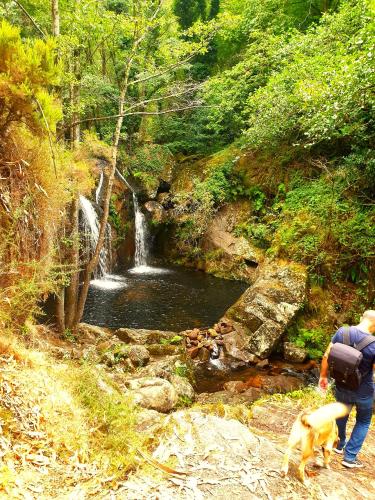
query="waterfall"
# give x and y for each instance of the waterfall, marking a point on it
(98, 192)
(90, 226)
(141, 236)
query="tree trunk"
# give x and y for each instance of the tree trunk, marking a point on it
(60, 317)
(71, 294)
(55, 18)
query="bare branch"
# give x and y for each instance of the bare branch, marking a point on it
(30, 18)
(168, 96)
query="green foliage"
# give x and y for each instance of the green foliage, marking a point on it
(147, 163)
(258, 233)
(321, 227)
(182, 370)
(315, 341)
(172, 341)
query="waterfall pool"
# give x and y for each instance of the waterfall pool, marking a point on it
(173, 298)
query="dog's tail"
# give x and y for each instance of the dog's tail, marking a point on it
(332, 411)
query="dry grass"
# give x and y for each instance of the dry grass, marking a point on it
(61, 423)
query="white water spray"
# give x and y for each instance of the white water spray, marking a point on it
(141, 237)
(91, 225)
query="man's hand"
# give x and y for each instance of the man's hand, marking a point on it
(323, 383)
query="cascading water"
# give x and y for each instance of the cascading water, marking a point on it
(141, 237)
(90, 226)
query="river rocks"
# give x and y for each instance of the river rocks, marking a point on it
(294, 353)
(138, 355)
(268, 306)
(142, 336)
(153, 393)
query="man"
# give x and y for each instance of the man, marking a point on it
(362, 398)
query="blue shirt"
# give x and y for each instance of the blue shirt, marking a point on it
(366, 388)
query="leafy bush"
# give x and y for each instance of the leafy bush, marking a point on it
(315, 341)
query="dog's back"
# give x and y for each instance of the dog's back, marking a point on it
(312, 428)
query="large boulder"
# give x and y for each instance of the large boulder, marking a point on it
(142, 336)
(153, 393)
(232, 250)
(269, 305)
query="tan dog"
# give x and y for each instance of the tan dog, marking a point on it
(314, 428)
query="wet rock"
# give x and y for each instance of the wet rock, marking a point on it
(264, 363)
(153, 393)
(156, 210)
(142, 336)
(138, 355)
(182, 387)
(294, 353)
(203, 355)
(269, 305)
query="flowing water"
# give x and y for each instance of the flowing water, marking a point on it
(90, 234)
(166, 299)
(141, 256)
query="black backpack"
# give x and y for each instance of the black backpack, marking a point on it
(344, 361)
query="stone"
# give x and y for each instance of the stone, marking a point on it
(268, 306)
(236, 345)
(235, 386)
(294, 353)
(222, 458)
(149, 420)
(108, 358)
(264, 363)
(163, 349)
(183, 387)
(92, 333)
(219, 236)
(203, 355)
(142, 336)
(230, 398)
(156, 210)
(153, 393)
(138, 355)
(193, 352)
(163, 368)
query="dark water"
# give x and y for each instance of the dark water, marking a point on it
(164, 299)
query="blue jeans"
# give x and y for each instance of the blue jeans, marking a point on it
(364, 407)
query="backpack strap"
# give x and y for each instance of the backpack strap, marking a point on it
(346, 336)
(369, 339)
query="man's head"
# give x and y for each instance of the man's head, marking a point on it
(368, 320)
